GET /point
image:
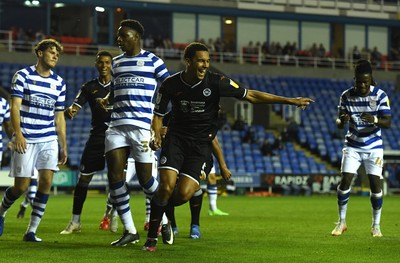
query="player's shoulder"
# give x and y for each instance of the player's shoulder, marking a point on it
(25, 71)
(89, 84)
(176, 77)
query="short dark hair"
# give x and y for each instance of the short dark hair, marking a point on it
(192, 48)
(103, 53)
(363, 66)
(133, 24)
(48, 43)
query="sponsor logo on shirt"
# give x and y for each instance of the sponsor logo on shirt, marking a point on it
(128, 80)
(42, 100)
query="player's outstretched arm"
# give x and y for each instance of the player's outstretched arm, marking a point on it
(258, 97)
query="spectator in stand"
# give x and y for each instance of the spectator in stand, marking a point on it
(292, 130)
(267, 148)
(148, 42)
(210, 45)
(265, 48)
(321, 51)
(239, 124)
(376, 57)
(249, 136)
(39, 36)
(272, 49)
(356, 54)
(219, 45)
(278, 49)
(279, 143)
(287, 49)
(314, 50)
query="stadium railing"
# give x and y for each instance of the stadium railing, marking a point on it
(7, 44)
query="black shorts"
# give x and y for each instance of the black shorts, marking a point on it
(93, 158)
(187, 157)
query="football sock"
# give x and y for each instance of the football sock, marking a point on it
(343, 198)
(8, 200)
(30, 193)
(195, 207)
(38, 208)
(157, 210)
(80, 194)
(148, 207)
(212, 196)
(109, 206)
(120, 196)
(170, 213)
(376, 202)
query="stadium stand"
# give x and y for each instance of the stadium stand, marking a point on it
(316, 132)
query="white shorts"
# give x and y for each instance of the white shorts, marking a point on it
(38, 156)
(135, 138)
(372, 160)
(131, 170)
(212, 171)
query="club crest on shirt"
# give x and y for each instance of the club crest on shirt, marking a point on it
(207, 92)
(140, 63)
(163, 160)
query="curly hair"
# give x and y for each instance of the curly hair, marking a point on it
(48, 43)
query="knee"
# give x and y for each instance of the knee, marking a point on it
(84, 180)
(345, 182)
(184, 195)
(19, 190)
(164, 191)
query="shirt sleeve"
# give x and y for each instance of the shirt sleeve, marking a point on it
(17, 85)
(60, 104)
(229, 88)
(80, 98)
(162, 101)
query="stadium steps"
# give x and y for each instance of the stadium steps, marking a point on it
(318, 158)
(278, 123)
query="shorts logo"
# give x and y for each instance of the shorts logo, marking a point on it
(207, 92)
(163, 160)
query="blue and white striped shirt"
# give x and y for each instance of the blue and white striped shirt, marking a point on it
(362, 135)
(41, 97)
(4, 116)
(134, 81)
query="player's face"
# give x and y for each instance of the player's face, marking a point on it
(362, 84)
(49, 57)
(197, 67)
(127, 39)
(103, 65)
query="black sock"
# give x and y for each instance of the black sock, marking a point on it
(80, 194)
(157, 210)
(195, 208)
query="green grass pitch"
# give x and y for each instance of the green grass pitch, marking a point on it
(258, 229)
